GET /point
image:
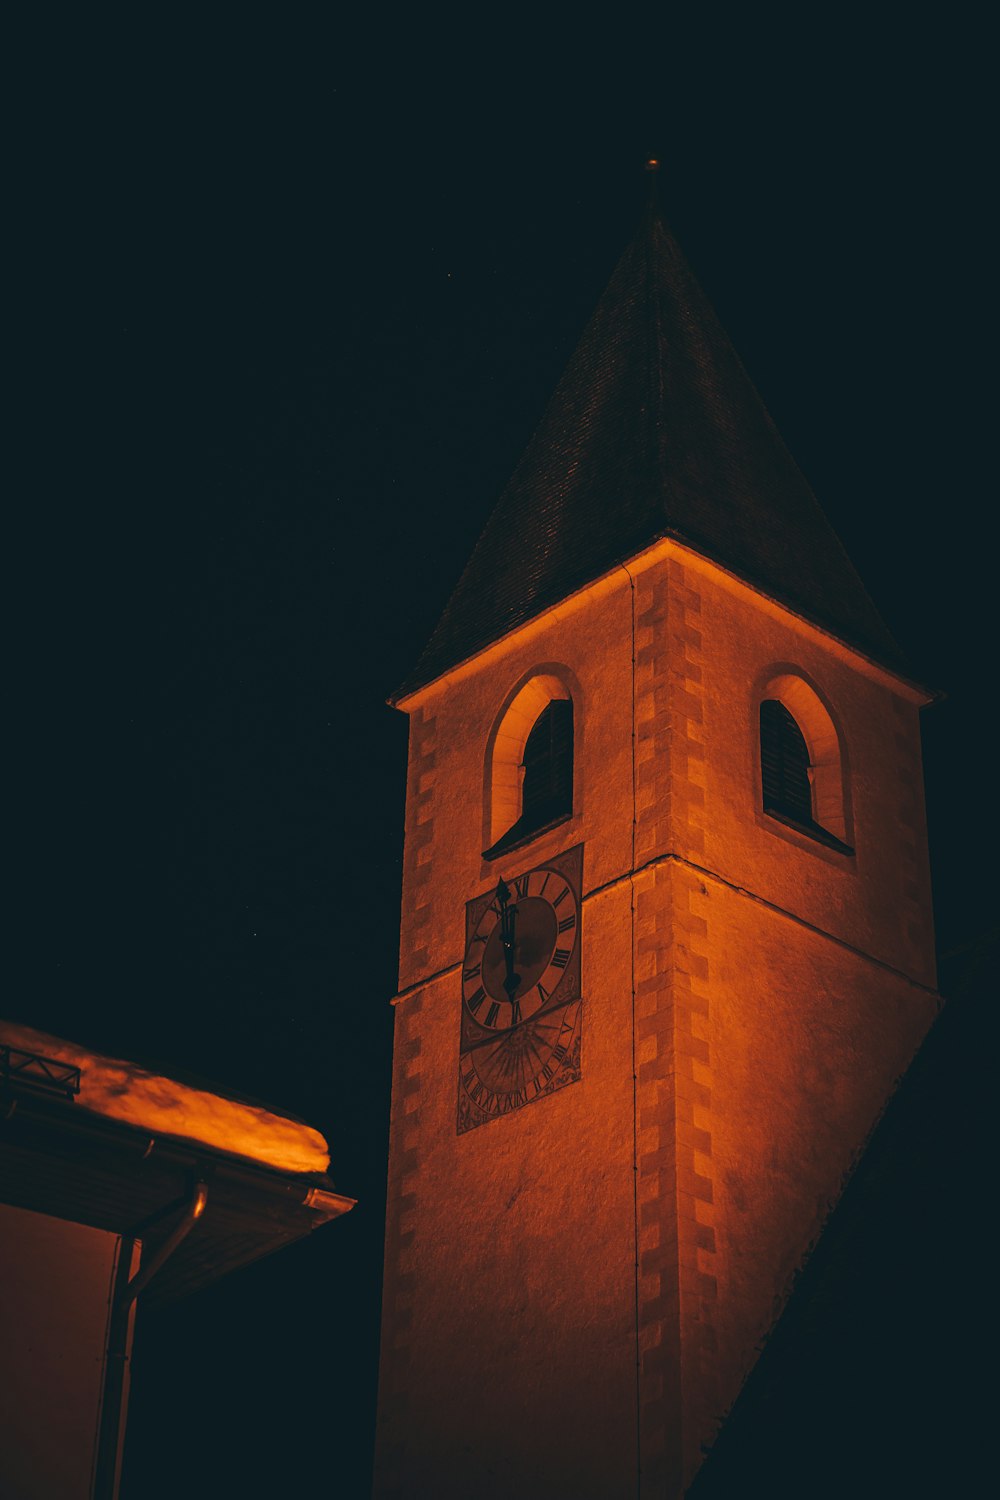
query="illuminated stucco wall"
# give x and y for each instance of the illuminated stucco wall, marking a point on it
(734, 641)
(508, 1354)
(57, 1281)
(750, 996)
(799, 983)
(796, 1051)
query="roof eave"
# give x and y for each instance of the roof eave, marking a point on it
(412, 690)
(67, 1162)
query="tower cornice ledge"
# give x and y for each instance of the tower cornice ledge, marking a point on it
(658, 861)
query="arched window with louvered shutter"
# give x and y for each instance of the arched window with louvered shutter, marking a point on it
(531, 772)
(784, 763)
(802, 778)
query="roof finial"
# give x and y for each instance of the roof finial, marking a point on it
(652, 166)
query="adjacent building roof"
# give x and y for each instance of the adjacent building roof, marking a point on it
(654, 430)
(155, 1101)
(103, 1142)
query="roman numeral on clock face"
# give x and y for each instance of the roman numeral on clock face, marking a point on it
(567, 923)
(561, 957)
(492, 1013)
(521, 886)
(473, 1085)
(476, 1000)
(561, 896)
(472, 973)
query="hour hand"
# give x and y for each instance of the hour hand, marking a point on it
(508, 918)
(512, 981)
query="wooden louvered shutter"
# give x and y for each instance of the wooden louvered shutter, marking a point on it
(547, 791)
(784, 764)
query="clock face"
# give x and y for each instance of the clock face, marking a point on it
(520, 1031)
(543, 926)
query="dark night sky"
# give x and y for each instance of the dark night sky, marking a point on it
(294, 302)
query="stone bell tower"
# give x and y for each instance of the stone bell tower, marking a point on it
(666, 931)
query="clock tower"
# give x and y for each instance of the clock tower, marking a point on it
(666, 930)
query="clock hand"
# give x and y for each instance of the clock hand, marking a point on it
(508, 938)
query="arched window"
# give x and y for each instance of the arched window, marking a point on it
(801, 765)
(531, 768)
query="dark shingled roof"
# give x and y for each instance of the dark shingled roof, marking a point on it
(654, 430)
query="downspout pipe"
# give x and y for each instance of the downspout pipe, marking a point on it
(112, 1429)
(183, 1228)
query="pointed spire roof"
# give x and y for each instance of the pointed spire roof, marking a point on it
(654, 430)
